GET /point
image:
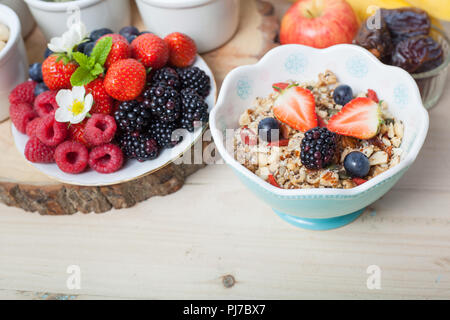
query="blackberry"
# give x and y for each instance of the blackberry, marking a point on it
(132, 116)
(138, 146)
(195, 78)
(194, 109)
(163, 101)
(167, 75)
(163, 133)
(318, 148)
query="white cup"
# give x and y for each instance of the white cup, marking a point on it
(13, 59)
(53, 17)
(210, 23)
(25, 17)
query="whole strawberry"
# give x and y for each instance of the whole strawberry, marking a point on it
(151, 50)
(182, 49)
(77, 133)
(103, 103)
(57, 74)
(119, 50)
(125, 79)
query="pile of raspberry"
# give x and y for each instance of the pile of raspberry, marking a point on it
(74, 148)
(133, 121)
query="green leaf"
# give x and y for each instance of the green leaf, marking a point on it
(91, 62)
(82, 76)
(97, 70)
(91, 67)
(101, 50)
(81, 58)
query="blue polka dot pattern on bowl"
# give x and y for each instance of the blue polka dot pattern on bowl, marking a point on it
(296, 63)
(244, 88)
(401, 95)
(357, 67)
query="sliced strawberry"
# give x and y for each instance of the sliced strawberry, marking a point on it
(359, 181)
(248, 137)
(272, 181)
(321, 122)
(372, 95)
(280, 143)
(296, 107)
(360, 118)
(280, 86)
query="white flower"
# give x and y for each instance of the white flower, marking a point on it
(73, 105)
(74, 36)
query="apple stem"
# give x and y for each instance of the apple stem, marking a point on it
(311, 16)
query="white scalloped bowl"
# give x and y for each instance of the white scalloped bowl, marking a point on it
(354, 66)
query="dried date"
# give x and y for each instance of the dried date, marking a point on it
(376, 40)
(406, 22)
(418, 54)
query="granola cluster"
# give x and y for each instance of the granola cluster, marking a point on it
(282, 163)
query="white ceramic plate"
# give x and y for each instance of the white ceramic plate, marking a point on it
(132, 168)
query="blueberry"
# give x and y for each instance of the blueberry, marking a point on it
(88, 48)
(343, 94)
(144, 32)
(269, 129)
(35, 72)
(82, 46)
(47, 53)
(130, 37)
(97, 34)
(357, 164)
(127, 31)
(40, 87)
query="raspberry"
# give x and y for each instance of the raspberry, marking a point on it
(21, 114)
(71, 157)
(45, 103)
(50, 131)
(24, 92)
(32, 127)
(107, 158)
(100, 129)
(36, 151)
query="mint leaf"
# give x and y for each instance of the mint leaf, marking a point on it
(91, 62)
(82, 76)
(81, 58)
(101, 50)
(91, 67)
(97, 70)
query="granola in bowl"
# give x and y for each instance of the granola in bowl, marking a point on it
(318, 135)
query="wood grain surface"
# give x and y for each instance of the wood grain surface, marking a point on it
(23, 186)
(188, 244)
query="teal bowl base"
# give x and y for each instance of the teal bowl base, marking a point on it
(320, 224)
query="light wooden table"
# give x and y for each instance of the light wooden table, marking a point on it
(183, 245)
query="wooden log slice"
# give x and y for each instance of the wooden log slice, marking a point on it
(23, 186)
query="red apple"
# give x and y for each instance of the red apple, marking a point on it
(319, 23)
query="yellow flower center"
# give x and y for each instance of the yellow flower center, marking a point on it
(77, 107)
